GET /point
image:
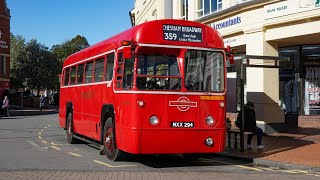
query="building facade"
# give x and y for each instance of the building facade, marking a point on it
(289, 28)
(4, 48)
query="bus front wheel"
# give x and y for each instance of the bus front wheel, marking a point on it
(109, 143)
(69, 130)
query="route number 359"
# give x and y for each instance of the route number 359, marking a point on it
(170, 36)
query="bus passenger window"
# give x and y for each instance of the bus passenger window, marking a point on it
(66, 76)
(89, 68)
(73, 75)
(110, 62)
(128, 73)
(98, 70)
(80, 71)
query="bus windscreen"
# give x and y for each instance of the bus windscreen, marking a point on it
(158, 72)
(204, 71)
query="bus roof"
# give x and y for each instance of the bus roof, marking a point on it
(152, 32)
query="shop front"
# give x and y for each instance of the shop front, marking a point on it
(300, 80)
(277, 28)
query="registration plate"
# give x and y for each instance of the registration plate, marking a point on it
(182, 124)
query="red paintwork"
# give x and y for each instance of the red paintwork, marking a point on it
(134, 133)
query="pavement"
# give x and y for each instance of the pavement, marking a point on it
(297, 148)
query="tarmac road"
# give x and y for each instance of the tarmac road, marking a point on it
(35, 147)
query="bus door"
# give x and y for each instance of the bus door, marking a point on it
(123, 82)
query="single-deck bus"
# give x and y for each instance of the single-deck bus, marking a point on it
(157, 88)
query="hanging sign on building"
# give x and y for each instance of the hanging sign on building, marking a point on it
(182, 33)
(289, 7)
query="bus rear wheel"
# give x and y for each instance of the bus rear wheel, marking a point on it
(69, 130)
(109, 143)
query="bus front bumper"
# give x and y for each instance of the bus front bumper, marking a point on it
(181, 141)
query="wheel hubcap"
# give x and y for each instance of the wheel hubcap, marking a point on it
(108, 140)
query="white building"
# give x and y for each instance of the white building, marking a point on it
(288, 28)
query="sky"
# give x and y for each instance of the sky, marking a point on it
(52, 22)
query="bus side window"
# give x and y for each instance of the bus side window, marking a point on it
(73, 75)
(66, 76)
(88, 73)
(80, 72)
(128, 73)
(119, 73)
(98, 70)
(109, 69)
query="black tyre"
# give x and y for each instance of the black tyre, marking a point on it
(109, 143)
(69, 130)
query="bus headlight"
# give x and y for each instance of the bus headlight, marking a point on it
(209, 120)
(154, 120)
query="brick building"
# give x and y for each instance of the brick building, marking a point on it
(4, 48)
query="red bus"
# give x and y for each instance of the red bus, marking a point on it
(157, 88)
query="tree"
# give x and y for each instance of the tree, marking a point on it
(62, 51)
(34, 66)
(17, 48)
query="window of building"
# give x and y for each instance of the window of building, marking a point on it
(80, 72)
(73, 75)
(206, 7)
(89, 68)
(98, 70)
(184, 9)
(110, 63)
(2, 65)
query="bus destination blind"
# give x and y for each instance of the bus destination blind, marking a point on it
(182, 33)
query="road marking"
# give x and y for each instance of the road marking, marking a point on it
(74, 154)
(36, 145)
(41, 130)
(111, 166)
(45, 127)
(58, 144)
(56, 148)
(44, 141)
(39, 137)
(39, 133)
(245, 167)
(280, 170)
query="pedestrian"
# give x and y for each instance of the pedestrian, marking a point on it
(5, 106)
(41, 101)
(250, 125)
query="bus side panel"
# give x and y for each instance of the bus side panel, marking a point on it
(101, 95)
(62, 108)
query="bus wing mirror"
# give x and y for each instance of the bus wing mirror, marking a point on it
(127, 52)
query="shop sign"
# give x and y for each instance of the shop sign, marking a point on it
(3, 44)
(289, 7)
(226, 23)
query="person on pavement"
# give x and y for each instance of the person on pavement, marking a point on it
(41, 101)
(250, 125)
(5, 106)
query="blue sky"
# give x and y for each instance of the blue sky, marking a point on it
(55, 21)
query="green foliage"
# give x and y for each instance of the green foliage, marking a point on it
(62, 51)
(33, 66)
